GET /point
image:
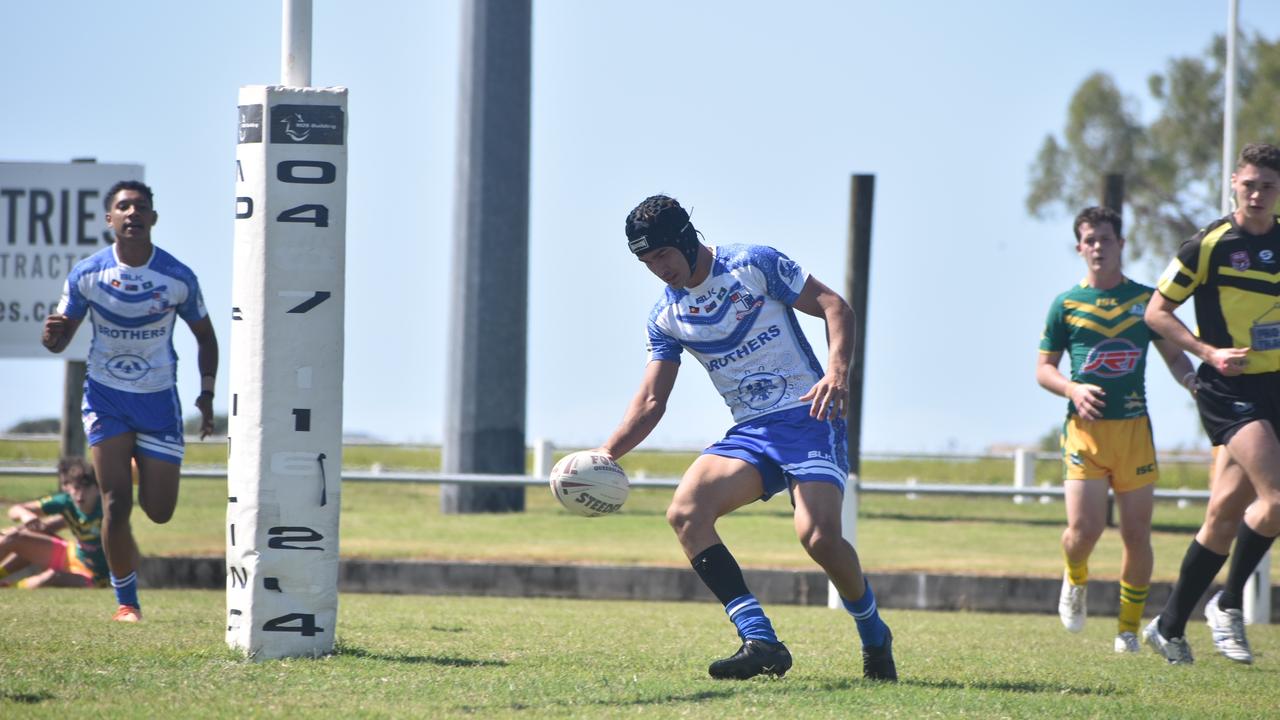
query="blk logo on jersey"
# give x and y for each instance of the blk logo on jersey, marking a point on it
(1112, 358)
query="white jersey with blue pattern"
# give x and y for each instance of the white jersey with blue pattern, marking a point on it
(133, 313)
(739, 324)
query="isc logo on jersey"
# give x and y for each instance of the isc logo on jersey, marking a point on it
(1112, 358)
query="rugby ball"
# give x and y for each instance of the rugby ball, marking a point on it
(589, 484)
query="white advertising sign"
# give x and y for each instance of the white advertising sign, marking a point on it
(51, 217)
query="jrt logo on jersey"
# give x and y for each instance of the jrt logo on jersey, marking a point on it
(1112, 358)
(761, 391)
(1240, 260)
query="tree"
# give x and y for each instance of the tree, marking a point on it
(44, 426)
(1172, 166)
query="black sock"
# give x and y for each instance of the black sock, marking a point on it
(1199, 566)
(1250, 547)
(721, 573)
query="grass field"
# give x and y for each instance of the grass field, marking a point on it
(397, 521)
(496, 658)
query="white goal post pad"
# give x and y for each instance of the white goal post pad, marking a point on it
(284, 438)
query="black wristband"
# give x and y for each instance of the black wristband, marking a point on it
(205, 392)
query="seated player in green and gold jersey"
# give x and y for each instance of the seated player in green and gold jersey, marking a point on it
(1106, 439)
(77, 507)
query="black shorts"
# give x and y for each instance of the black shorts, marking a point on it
(1227, 404)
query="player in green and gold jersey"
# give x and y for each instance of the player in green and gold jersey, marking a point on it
(36, 542)
(1232, 268)
(1106, 439)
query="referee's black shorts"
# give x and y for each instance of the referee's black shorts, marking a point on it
(1227, 404)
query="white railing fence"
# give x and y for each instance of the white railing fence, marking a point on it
(1257, 603)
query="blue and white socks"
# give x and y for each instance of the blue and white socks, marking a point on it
(871, 628)
(749, 618)
(126, 589)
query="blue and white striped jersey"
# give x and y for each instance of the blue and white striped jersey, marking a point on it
(134, 310)
(739, 324)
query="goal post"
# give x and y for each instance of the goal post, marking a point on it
(284, 439)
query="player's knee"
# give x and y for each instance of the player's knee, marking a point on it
(1267, 513)
(1085, 530)
(819, 541)
(680, 516)
(158, 515)
(1135, 538)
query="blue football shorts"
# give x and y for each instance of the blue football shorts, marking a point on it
(155, 418)
(789, 446)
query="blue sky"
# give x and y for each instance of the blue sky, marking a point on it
(753, 113)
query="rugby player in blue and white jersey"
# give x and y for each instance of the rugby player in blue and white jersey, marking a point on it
(732, 307)
(133, 292)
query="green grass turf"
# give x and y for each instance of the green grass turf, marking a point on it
(437, 657)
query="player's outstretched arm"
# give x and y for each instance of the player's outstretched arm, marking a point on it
(27, 515)
(829, 397)
(207, 360)
(1160, 318)
(58, 331)
(645, 410)
(1089, 399)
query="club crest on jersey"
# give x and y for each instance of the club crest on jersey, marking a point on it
(1138, 309)
(1266, 256)
(159, 303)
(1240, 260)
(1112, 358)
(745, 302)
(128, 367)
(761, 391)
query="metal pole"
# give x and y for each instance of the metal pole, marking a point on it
(1257, 590)
(1229, 107)
(295, 44)
(861, 201)
(488, 320)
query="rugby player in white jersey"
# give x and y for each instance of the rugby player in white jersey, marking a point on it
(133, 293)
(732, 307)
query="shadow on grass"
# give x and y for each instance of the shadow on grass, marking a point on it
(359, 652)
(693, 697)
(1048, 522)
(1021, 686)
(25, 698)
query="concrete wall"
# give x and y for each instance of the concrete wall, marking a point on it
(918, 591)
